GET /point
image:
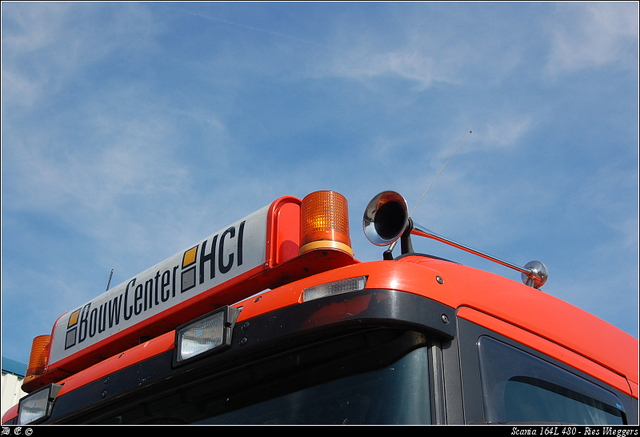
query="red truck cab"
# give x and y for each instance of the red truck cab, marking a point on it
(273, 321)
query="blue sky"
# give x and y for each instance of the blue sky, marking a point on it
(133, 130)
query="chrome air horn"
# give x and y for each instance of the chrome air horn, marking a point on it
(386, 220)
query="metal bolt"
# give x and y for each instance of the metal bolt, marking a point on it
(104, 393)
(243, 341)
(445, 319)
(440, 280)
(245, 326)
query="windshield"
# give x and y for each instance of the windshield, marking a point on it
(371, 377)
(396, 394)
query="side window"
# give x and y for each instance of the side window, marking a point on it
(519, 387)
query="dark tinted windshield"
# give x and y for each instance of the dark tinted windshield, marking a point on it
(380, 376)
(396, 394)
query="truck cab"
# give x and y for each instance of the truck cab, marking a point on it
(307, 334)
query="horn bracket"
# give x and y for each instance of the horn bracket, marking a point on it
(386, 220)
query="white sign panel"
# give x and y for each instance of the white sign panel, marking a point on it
(224, 255)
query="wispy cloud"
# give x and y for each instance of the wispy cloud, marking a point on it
(435, 45)
(48, 47)
(588, 35)
(506, 132)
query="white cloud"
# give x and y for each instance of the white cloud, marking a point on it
(133, 161)
(506, 132)
(47, 46)
(588, 35)
(411, 64)
(429, 44)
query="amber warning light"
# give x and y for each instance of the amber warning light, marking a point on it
(38, 357)
(325, 222)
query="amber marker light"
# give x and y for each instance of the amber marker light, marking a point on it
(325, 222)
(38, 358)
